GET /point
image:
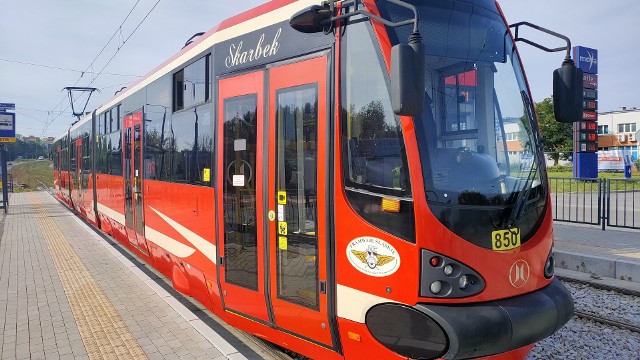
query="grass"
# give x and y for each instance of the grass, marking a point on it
(30, 172)
(601, 175)
(562, 182)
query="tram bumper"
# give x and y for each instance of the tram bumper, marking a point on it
(473, 330)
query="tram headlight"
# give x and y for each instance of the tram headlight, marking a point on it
(449, 279)
(549, 265)
(463, 282)
(435, 287)
(448, 270)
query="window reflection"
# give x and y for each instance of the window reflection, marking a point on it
(191, 85)
(240, 233)
(373, 152)
(297, 119)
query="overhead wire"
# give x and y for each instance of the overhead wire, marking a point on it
(125, 40)
(118, 30)
(61, 68)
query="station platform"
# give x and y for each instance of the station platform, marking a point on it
(611, 254)
(66, 292)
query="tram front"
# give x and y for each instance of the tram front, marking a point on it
(485, 186)
(454, 197)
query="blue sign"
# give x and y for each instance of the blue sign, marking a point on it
(7, 126)
(586, 59)
(7, 106)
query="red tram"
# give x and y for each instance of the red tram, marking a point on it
(317, 182)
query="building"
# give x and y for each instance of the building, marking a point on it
(512, 136)
(31, 138)
(619, 130)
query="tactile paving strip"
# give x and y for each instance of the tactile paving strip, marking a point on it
(104, 333)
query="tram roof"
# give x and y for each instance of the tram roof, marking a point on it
(84, 119)
(259, 17)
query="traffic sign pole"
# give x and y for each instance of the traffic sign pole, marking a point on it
(5, 185)
(7, 135)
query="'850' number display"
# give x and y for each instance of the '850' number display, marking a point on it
(506, 239)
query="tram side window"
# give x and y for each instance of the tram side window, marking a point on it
(112, 126)
(374, 152)
(101, 154)
(192, 85)
(72, 155)
(191, 146)
(115, 154)
(86, 159)
(63, 159)
(114, 119)
(375, 156)
(157, 144)
(64, 154)
(158, 131)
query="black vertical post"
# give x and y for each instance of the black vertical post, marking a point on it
(605, 200)
(5, 184)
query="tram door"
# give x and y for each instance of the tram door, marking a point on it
(274, 229)
(242, 185)
(297, 160)
(132, 171)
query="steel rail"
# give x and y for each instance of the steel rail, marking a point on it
(603, 320)
(600, 286)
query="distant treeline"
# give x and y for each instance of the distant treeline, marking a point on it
(27, 149)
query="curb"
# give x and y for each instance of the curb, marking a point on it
(598, 266)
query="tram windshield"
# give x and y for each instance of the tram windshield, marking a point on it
(478, 142)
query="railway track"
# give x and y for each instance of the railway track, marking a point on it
(599, 319)
(601, 286)
(606, 321)
(46, 187)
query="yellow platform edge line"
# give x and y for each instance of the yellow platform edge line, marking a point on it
(102, 329)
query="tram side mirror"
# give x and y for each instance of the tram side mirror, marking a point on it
(567, 93)
(407, 77)
(311, 20)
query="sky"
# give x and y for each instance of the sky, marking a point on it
(48, 45)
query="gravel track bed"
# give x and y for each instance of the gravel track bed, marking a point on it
(605, 303)
(585, 339)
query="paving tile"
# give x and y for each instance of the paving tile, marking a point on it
(37, 312)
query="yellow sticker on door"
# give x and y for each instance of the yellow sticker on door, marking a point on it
(282, 243)
(282, 228)
(282, 197)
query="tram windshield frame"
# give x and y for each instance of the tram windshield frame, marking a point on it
(478, 137)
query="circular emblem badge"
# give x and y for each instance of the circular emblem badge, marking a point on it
(272, 215)
(519, 273)
(373, 256)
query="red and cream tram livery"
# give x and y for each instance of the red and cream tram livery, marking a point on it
(286, 173)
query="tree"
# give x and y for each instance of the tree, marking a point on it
(26, 149)
(556, 136)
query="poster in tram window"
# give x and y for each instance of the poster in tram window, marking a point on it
(611, 160)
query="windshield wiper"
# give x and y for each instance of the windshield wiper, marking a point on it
(521, 200)
(523, 195)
